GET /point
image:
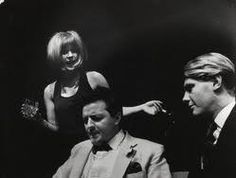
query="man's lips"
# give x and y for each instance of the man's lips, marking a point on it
(92, 134)
(191, 106)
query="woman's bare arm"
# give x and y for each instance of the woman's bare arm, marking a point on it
(152, 107)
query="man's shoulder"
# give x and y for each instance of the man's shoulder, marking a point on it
(233, 112)
(151, 144)
(147, 145)
(86, 143)
(231, 120)
(82, 145)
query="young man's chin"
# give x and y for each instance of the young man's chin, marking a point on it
(195, 113)
(198, 113)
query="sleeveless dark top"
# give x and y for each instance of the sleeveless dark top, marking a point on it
(68, 110)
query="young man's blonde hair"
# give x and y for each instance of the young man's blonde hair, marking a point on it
(206, 67)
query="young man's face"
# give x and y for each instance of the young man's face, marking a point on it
(199, 95)
(99, 124)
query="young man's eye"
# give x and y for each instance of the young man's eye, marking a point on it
(189, 87)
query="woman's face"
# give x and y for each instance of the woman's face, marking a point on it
(71, 58)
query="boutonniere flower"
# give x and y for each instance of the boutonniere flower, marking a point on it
(132, 151)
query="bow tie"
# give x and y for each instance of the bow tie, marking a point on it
(103, 147)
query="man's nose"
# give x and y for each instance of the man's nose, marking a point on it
(90, 123)
(185, 97)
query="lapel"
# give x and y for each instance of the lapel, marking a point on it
(229, 128)
(125, 155)
(79, 164)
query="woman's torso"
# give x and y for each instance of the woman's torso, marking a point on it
(68, 110)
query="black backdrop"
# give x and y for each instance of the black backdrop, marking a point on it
(141, 48)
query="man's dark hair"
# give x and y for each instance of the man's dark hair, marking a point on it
(104, 94)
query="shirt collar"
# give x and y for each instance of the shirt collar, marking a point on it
(117, 140)
(223, 114)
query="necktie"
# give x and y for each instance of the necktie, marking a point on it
(103, 147)
(208, 147)
(210, 138)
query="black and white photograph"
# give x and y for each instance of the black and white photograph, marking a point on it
(117, 89)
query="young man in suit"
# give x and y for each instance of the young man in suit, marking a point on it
(111, 152)
(210, 91)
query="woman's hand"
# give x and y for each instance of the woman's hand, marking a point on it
(153, 107)
(30, 109)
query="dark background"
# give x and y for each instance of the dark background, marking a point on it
(140, 46)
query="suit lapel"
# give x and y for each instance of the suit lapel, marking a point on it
(79, 164)
(124, 157)
(228, 128)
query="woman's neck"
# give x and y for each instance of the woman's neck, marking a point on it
(70, 79)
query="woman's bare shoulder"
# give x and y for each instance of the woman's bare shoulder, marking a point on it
(96, 79)
(49, 89)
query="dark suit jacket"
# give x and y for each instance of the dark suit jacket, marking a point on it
(224, 155)
(141, 152)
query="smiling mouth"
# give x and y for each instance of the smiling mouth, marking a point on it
(71, 62)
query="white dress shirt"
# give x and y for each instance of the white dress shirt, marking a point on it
(100, 165)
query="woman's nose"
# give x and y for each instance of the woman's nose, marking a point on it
(69, 54)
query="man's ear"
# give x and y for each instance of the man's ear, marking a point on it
(217, 82)
(118, 118)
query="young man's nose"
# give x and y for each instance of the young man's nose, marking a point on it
(185, 97)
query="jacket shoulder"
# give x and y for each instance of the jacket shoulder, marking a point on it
(82, 145)
(146, 145)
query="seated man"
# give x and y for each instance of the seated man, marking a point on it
(110, 151)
